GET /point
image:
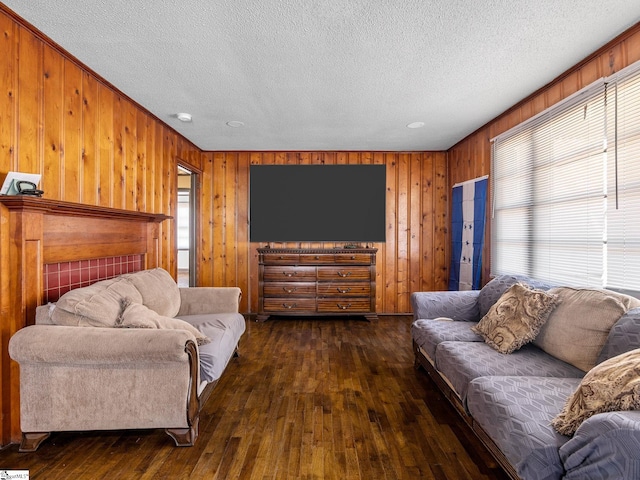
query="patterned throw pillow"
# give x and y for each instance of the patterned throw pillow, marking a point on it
(610, 386)
(515, 319)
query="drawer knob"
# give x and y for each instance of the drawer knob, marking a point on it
(288, 274)
(344, 274)
(343, 307)
(289, 305)
(353, 257)
(289, 290)
(344, 290)
(317, 257)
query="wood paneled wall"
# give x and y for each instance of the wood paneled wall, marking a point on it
(471, 157)
(90, 142)
(414, 257)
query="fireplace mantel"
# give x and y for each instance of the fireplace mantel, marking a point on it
(58, 207)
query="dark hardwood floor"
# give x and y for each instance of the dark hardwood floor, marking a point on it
(307, 399)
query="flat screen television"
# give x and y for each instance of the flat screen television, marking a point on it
(317, 203)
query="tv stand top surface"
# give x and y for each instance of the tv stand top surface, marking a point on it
(317, 250)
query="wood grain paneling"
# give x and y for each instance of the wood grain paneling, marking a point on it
(471, 157)
(8, 126)
(414, 256)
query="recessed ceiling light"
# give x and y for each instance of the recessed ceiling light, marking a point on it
(416, 125)
(184, 117)
(235, 124)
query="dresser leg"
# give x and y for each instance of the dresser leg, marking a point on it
(261, 318)
(371, 317)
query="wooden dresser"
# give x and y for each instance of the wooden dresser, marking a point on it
(318, 282)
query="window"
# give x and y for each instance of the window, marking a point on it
(623, 201)
(566, 190)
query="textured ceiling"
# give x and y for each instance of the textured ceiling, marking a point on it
(329, 74)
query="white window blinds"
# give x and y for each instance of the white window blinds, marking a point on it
(549, 202)
(623, 182)
(566, 190)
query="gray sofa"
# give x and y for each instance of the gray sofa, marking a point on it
(132, 352)
(510, 400)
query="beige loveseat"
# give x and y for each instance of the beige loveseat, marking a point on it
(132, 352)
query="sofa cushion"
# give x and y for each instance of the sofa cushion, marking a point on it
(461, 306)
(97, 305)
(613, 385)
(492, 291)
(515, 319)
(516, 413)
(623, 337)
(461, 362)
(158, 289)
(578, 327)
(224, 330)
(136, 315)
(429, 333)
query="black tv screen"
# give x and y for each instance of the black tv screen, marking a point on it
(317, 203)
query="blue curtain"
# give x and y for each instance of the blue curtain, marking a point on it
(469, 200)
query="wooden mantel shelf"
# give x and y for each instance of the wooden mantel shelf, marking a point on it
(58, 207)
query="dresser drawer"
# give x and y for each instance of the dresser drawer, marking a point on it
(281, 258)
(289, 305)
(344, 289)
(289, 273)
(344, 273)
(316, 259)
(289, 289)
(354, 258)
(343, 305)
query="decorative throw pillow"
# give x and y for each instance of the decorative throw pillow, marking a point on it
(515, 319)
(136, 315)
(610, 386)
(578, 328)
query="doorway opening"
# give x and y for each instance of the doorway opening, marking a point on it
(186, 227)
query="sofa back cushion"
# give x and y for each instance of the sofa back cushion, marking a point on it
(97, 305)
(159, 290)
(492, 291)
(623, 337)
(578, 327)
